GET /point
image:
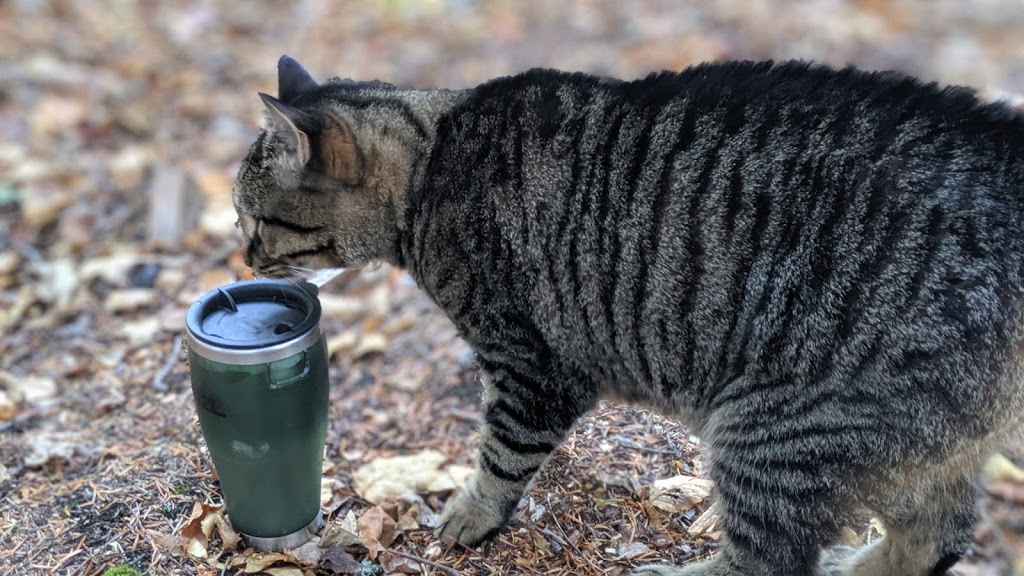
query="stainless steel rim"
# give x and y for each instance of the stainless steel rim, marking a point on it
(288, 541)
(259, 355)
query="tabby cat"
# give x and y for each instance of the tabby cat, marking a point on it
(818, 270)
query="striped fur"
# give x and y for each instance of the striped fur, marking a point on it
(819, 270)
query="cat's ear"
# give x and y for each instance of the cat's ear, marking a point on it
(342, 159)
(287, 121)
(292, 80)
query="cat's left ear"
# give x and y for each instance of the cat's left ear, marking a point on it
(287, 121)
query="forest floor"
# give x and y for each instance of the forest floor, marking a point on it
(122, 127)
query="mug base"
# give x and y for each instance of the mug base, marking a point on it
(286, 541)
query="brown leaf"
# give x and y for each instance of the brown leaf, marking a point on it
(1010, 491)
(377, 530)
(395, 564)
(339, 561)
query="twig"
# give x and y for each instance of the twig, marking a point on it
(168, 365)
(441, 567)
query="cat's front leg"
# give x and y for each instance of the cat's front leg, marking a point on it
(526, 418)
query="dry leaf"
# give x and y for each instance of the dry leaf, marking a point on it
(129, 300)
(7, 407)
(388, 478)
(340, 307)
(369, 344)
(46, 446)
(377, 530)
(704, 523)
(284, 571)
(206, 523)
(139, 332)
(346, 536)
(4, 475)
(339, 561)
(308, 554)
(29, 389)
(341, 343)
(999, 467)
(679, 493)
(395, 564)
(628, 551)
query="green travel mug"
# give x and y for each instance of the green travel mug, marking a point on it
(258, 364)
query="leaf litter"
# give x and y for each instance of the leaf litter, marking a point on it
(111, 129)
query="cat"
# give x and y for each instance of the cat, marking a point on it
(818, 270)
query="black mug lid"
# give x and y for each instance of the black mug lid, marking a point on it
(253, 315)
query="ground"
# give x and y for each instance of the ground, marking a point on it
(123, 124)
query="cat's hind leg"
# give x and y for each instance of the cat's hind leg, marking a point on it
(778, 482)
(926, 532)
(526, 418)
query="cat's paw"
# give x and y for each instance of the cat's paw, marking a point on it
(468, 519)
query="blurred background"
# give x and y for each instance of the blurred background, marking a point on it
(94, 94)
(122, 125)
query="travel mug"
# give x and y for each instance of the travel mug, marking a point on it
(258, 364)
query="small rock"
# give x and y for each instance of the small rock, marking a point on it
(143, 275)
(129, 299)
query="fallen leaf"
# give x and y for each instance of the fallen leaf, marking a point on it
(679, 493)
(1000, 467)
(171, 279)
(113, 268)
(206, 523)
(344, 534)
(139, 332)
(212, 279)
(339, 561)
(387, 478)
(395, 564)
(57, 282)
(4, 475)
(129, 300)
(377, 530)
(704, 523)
(41, 205)
(46, 446)
(113, 399)
(629, 551)
(341, 343)
(30, 389)
(257, 561)
(7, 407)
(369, 344)
(284, 571)
(340, 307)
(308, 554)
(1009, 491)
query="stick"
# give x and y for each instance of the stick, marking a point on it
(158, 380)
(440, 567)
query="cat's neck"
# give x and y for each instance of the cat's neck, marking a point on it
(407, 161)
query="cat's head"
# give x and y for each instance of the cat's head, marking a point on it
(322, 185)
